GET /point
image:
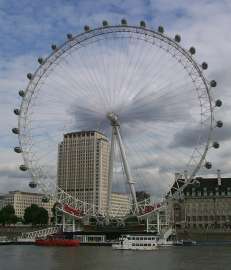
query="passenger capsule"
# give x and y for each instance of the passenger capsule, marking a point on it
(23, 168)
(213, 83)
(124, 22)
(192, 50)
(15, 130)
(29, 76)
(32, 184)
(177, 38)
(53, 47)
(105, 23)
(218, 103)
(86, 28)
(204, 65)
(21, 93)
(18, 150)
(216, 145)
(69, 36)
(208, 165)
(219, 124)
(161, 29)
(45, 199)
(40, 60)
(142, 24)
(17, 111)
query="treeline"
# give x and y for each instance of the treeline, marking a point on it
(33, 215)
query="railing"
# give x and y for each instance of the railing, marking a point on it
(79, 209)
(39, 233)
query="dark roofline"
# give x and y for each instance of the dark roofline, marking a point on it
(83, 132)
(208, 183)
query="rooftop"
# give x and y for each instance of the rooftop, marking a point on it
(202, 184)
(83, 133)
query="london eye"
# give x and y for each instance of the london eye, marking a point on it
(139, 88)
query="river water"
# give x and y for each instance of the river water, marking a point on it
(104, 258)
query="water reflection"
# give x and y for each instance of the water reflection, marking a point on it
(98, 258)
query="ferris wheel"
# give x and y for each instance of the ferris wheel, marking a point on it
(138, 87)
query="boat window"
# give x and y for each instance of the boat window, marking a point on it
(141, 238)
(133, 244)
(129, 238)
(149, 244)
(145, 245)
(149, 238)
(133, 238)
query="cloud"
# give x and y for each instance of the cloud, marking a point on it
(11, 178)
(188, 137)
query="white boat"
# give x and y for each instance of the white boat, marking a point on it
(137, 242)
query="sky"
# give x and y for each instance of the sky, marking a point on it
(28, 28)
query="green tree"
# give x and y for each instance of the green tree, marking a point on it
(7, 215)
(42, 217)
(30, 214)
(36, 215)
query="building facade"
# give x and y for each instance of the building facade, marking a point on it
(21, 200)
(120, 204)
(83, 165)
(205, 206)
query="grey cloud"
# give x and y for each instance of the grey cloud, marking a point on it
(188, 137)
(12, 173)
(13, 179)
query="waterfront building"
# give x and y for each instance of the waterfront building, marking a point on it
(83, 165)
(21, 200)
(205, 206)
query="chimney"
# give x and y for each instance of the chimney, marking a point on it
(219, 177)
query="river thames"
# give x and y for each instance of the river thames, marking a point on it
(99, 258)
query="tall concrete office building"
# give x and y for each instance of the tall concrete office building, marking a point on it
(83, 164)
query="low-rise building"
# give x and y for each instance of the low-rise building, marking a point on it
(205, 206)
(21, 200)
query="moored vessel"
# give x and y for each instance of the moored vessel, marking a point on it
(136, 242)
(57, 241)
